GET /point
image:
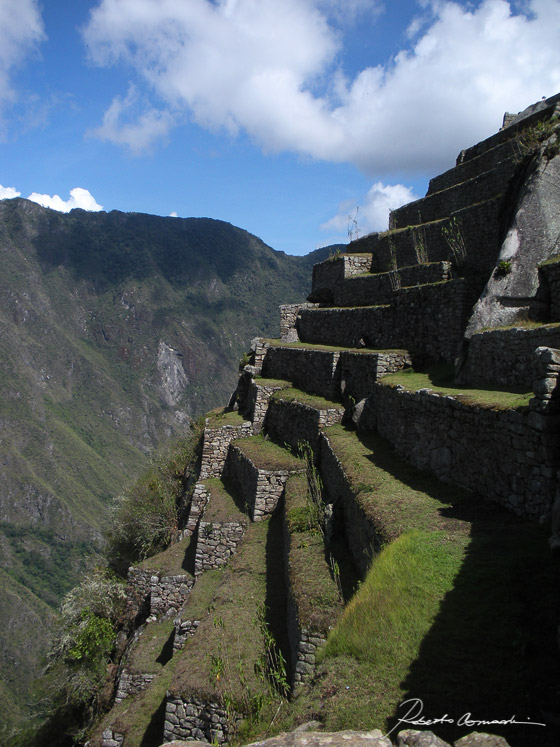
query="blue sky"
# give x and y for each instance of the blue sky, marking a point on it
(280, 116)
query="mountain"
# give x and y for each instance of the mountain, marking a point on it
(116, 330)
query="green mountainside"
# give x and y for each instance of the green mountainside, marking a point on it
(116, 330)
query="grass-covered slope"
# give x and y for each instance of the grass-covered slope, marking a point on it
(115, 330)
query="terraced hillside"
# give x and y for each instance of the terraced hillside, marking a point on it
(368, 524)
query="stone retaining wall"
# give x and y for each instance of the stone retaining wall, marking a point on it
(199, 501)
(161, 595)
(288, 314)
(359, 371)
(363, 540)
(111, 738)
(508, 456)
(261, 488)
(138, 589)
(290, 422)
(215, 446)
(331, 273)
(132, 684)
(505, 357)
(259, 397)
(196, 719)
(217, 541)
(183, 629)
(314, 371)
(427, 320)
(364, 290)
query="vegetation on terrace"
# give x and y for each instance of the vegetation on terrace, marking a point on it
(440, 380)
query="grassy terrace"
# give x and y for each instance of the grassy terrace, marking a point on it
(199, 601)
(314, 590)
(292, 394)
(331, 348)
(170, 561)
(267, 455)
(447, 613)
(222, 506)
(272, 382)
(440, 380)
(220, 416)
(229, 642)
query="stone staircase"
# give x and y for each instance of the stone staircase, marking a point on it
(392, 300)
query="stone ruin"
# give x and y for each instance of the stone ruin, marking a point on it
(469, 277)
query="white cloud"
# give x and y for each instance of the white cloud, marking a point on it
(21, 29)
(139, 134)
(173, 214)
(8, 193)
(371, 213)
(272, 70)
(79, 198)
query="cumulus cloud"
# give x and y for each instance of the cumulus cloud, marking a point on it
(372, 212)
(21, 29)
(274, 70)
(79, 198)
(8, 193)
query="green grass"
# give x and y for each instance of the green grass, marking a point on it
(272, 382)
(440, 381)
(170, 561)
(199, 601)
(222, 506)
(331, 348)
(144, 656)
(230, 633)
(292, 394)
(447, 612)
(268, 455)
(313, 588)
(221, 416)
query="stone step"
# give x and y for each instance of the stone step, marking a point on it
(439, 205)
(479, 227)
(427, 320)
(534, 114)
(319, 369)
(495, 159)
(294, 417)
(379, 288)
(258, 469)
(220, 529)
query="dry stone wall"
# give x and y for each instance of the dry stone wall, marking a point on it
(215, 446)
(427, 320)
(197, 719)
(217, 541)
(132, 684)
(314, 371)
(551, 272)
(259, 397)
(184, 629)
(331, 273)
(359, 371)
(289, 422)
(288, 314)
(199, 501)
(505, 357)
(364, 290)
(508, 456)
(160, 595)
(261, 488)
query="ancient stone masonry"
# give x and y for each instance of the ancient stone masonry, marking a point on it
(162, 595)
(112, 739)
(509, 456)
(288, 315)
(183, 629)
(261, 488)
(426, 320)
(217, 541)
(291, 422)
(315, 371)
(330, 274)
(131, 684)
(199, 501)
(215, 447)
(168, 593)
(197, 719)
(259, 395)
(364, 290)
(505, 357)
